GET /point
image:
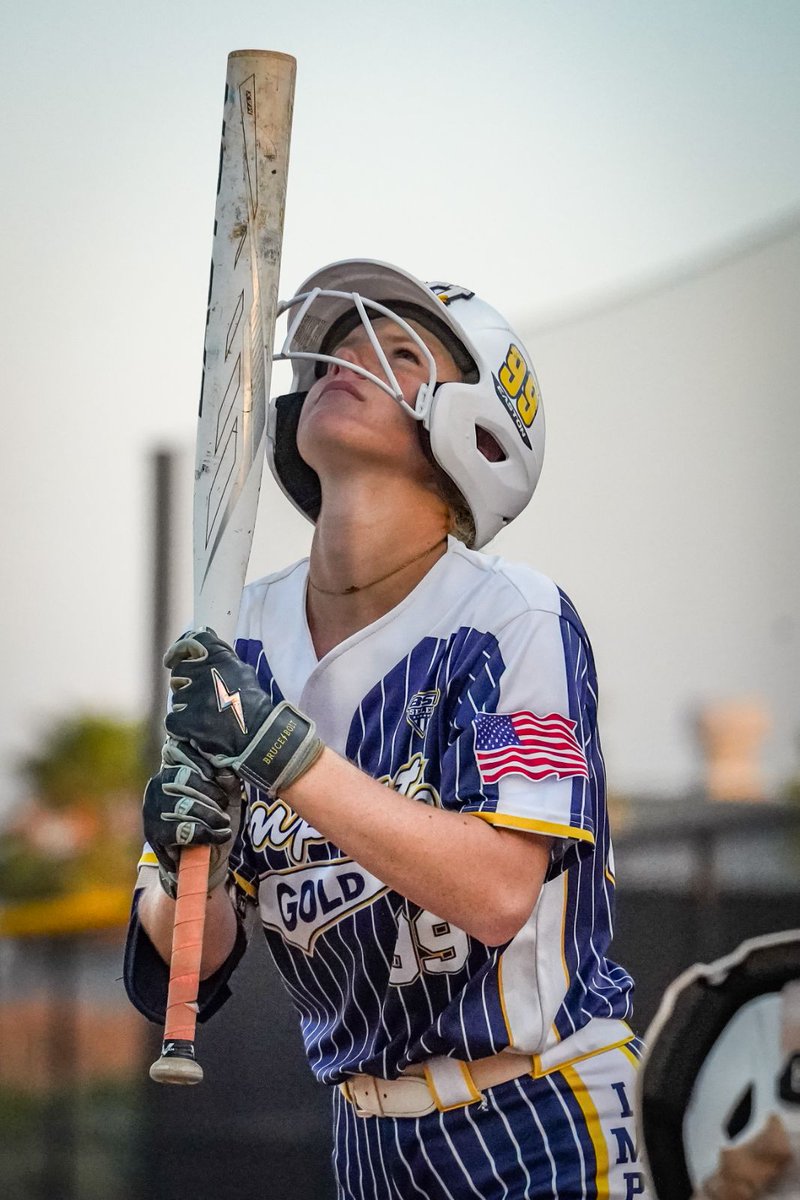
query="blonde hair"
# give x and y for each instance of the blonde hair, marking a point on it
(462, 524)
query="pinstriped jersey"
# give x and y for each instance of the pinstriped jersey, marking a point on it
(477, 694)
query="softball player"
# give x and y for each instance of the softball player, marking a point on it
(426, 840)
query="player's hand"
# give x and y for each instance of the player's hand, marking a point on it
(219, 707)
(189, 804)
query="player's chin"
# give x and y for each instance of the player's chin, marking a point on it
(345, 460)
(355, 430)
(330, 409)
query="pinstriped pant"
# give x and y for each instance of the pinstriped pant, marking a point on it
(568, 1135)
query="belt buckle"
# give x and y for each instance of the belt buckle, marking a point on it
(353, 1095)
(373, 1097)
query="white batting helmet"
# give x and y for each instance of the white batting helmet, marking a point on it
(719, 1088)
(499, 393)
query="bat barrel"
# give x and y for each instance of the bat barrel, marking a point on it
(240, 328)
(275, 55)
(231, 431)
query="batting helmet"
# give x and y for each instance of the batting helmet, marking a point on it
(719, 1088)
(498, 394)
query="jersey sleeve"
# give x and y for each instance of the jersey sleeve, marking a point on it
(146, 975)
(525, 751)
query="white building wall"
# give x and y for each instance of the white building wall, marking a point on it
(668, 506)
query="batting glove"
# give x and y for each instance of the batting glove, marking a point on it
(189, 804)
(220, 708)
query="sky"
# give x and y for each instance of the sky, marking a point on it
(547, 155)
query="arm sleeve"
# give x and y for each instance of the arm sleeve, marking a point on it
(525, 752)
(146, 975)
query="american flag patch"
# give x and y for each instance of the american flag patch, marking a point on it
(523, 744)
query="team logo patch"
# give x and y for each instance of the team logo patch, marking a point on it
(516, 388)
(226, 699)
(302, 902)
(420, 710)
(521, 743)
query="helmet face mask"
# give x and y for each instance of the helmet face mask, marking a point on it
(496, 402)
(364, 312)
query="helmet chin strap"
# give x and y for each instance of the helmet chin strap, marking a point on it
(388, 384)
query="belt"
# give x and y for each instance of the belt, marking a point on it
(441, 1083)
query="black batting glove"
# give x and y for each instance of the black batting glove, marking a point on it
(219, 707)
(189, 804)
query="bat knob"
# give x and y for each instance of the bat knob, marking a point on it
(177, 1064)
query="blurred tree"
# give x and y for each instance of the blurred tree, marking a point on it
(88, 760)
(80, 826)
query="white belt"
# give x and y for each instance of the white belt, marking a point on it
(440, 1083)
(445, 1083)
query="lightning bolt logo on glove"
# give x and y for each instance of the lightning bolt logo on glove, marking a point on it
(226, 699)
(285, 744)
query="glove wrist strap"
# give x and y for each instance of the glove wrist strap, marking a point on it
(284, 748)
(168, 881)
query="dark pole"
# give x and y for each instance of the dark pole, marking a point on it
(162, 471)
(59, 1160)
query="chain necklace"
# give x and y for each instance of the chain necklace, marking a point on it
(395, 571)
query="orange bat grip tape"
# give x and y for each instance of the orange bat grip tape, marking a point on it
(187, 943)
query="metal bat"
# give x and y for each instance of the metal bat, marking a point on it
(237, 361)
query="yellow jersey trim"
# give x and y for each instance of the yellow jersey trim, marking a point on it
(564, 908)
(246, 887)
(549, 828)
(594, 1128)
(539, 1073)
(629, 1054)
(465, 1071)
(502, 997)
(437, 1100)
(563, 946)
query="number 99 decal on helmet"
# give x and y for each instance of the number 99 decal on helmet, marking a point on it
(485, 431)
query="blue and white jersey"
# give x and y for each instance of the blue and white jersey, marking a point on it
(478, 694)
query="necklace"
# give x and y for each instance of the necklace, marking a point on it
(363, 587)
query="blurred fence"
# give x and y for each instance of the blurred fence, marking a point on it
(694, 879)
(68, 1045)
(81, 1120)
